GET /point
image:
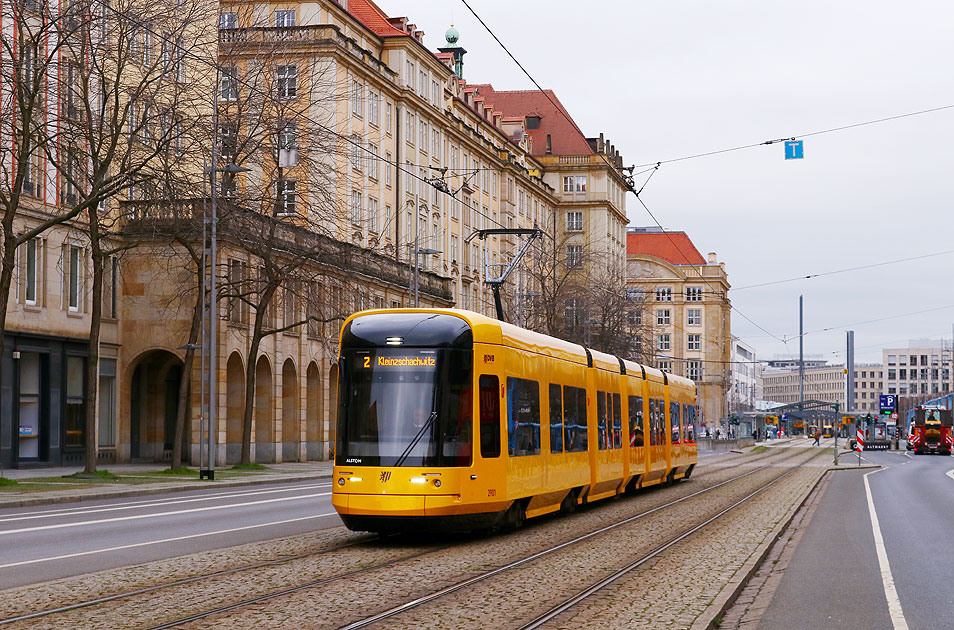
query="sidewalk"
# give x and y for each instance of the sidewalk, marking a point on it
(44, 486)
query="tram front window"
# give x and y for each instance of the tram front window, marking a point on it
(406, 407)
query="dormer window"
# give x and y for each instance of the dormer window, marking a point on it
(532, 122)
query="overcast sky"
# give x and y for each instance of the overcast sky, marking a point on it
(664, 80)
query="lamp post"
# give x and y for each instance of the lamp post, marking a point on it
(230, 169)
(417, 271)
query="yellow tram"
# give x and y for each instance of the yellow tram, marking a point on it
(454, 421)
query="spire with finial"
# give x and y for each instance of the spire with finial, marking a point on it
(452, 36)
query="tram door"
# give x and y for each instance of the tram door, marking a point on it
(487, 480)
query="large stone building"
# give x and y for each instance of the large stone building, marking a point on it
(825, 383)
(366, 160)
(746, 377)
(922, 370)
(686, 299)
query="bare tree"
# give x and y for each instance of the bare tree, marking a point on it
(132, 99)
(282, 219)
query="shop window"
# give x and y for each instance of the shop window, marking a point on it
(75, 402)
(523, 417)
(107, 402)
(29, 419)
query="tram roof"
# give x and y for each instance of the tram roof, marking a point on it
(493, 331)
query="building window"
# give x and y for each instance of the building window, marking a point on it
(694, 317)
(693, 294)
(354, 207)
(237, 306)
(387, 118)
(228, 20)
(284, 18)
(664, 294)
(387, 168)
(374, 104)
(574, 221)
(664, 365)
(228, 91)
(409, 127)
(74, 281)
(663, 317)
(373, 161)
(31, 250)
(694, 370)
(662, 343)
(574, 256)
(695, 342)
(373, 214)
(357, 98)
(287, 80)
(287, 198)
(574, 184)
(573, 313)
(354, 152)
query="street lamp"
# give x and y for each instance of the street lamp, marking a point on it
(231, 169)
(417, 271)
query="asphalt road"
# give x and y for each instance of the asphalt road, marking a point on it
(834, 579)
(46, 543)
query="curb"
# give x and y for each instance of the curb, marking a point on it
(189, 485)
(730, 592)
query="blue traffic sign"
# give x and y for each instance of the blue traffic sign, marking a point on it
(784, 416)
(888, 402)
(794, 150)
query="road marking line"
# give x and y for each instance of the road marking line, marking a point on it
(890, 592)
(950, 473)
(157, 542)
(153, 503)
(160, 514)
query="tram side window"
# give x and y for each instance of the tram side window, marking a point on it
(556, 419)
(523, 417)
(489, 416)
(674, 417)
(617, 422)
(661, 416)
(636, 421)
(652, 422)
(574, 418)
(687, 420)
(601, 419)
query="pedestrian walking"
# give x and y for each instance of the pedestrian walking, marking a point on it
(817, 436)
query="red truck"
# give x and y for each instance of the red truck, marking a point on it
(931, 431)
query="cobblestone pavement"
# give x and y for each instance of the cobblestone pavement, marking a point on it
(336, 603)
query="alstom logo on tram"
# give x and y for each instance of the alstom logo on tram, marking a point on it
(450, 420)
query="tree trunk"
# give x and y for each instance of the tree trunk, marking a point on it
(186, 379)
(250, 365)
(92, 360)
(7, 266)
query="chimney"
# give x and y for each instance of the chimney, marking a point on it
(712, 258)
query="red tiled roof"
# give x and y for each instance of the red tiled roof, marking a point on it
(674, 247)
(374, 18)
(565, 137)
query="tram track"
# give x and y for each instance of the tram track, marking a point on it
(523, 562)
(134, 594)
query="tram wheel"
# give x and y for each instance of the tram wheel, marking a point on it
(517, 514)
(568, 505)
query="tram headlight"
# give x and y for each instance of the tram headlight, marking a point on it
(437, 483)
(341, 481)
(418, 480)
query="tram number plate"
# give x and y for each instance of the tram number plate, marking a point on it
(491, 493)
(488, 358)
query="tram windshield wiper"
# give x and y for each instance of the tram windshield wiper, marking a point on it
(417, 438)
